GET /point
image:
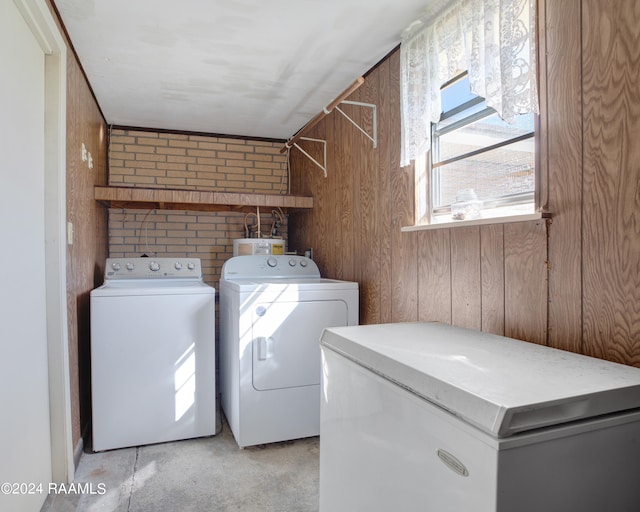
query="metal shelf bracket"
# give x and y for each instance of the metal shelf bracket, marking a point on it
(373, 138)
(323, 165)
(293, 141)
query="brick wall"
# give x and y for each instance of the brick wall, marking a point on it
(189, 162)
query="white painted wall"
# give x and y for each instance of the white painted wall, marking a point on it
(25, 447)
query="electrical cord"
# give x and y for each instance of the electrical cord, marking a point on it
(146, 238)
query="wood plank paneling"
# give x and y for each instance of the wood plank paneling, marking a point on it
(571, 283)
(86, 256)
(321, 233)
(345, 172)
(335, 197)
(368, 274)
(434, 276)
(451, 275)
(466, 290)
(384, 206)
(492, 278)
(611, 205)
(404, 292)
(311, 230)
(561, 123)
(525, 280)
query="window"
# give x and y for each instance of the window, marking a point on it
(462, 149)
(481, 166)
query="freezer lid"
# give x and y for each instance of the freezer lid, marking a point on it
(500, 385)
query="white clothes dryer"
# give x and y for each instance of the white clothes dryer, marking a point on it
(273, 310)
(152, 353)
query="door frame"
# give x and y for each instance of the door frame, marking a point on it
(44, 28)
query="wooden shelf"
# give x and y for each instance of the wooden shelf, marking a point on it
(169, 199)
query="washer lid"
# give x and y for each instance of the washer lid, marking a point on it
(146, 287)
(500, 385)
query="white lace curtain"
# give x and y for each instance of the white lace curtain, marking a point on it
(494, 40)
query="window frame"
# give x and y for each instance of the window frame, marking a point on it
(438, 214)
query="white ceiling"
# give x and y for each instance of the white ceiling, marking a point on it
(256, 68)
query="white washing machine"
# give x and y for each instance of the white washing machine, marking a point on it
(273, 310)
(152, 353)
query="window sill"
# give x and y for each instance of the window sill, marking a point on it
(478, 222)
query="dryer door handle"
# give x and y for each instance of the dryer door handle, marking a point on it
(264, 344)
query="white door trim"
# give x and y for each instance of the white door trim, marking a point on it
(40, 21)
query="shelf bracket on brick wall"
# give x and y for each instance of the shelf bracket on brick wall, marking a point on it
(322, 165)
(373, 138)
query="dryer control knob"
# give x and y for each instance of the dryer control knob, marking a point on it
(303, 263)
(115, 266)
(130, 266)
(292, 263)
(191, 265)
(178, 265)
(154, 266)
(272, 262)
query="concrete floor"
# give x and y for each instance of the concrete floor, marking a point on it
(199, 475)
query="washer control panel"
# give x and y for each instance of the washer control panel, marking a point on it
(272, 266)
(153, 268)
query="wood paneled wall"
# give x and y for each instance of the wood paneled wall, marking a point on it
(611, 179)
(492, 278)
(87, 255)
(561, 164)
(571, 282)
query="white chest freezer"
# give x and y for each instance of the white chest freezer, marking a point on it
(431, 417)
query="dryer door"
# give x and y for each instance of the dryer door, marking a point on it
(286, 341)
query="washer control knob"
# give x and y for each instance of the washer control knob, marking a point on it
(191, 265)
(292, 262)
(178, 265)
(130, 266)
(272, 262)
(115, 266)
(154, 266)
(303, 263)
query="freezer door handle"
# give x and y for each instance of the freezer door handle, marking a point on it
(452, 462)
